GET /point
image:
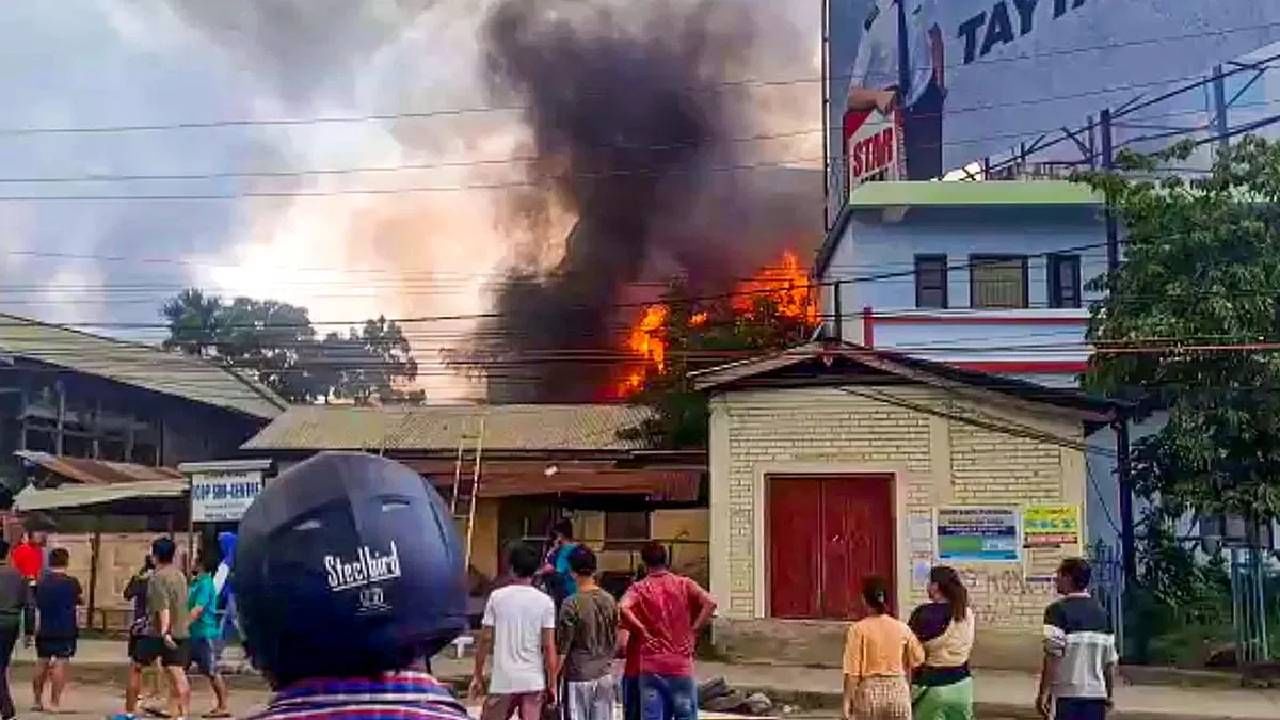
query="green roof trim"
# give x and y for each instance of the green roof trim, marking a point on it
(971, 193)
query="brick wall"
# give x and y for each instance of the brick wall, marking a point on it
(936, 461)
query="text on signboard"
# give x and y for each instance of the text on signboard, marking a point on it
(226, 491)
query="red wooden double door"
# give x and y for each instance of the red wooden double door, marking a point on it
(825, 535)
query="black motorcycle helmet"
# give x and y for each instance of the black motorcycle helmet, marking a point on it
(347, 565)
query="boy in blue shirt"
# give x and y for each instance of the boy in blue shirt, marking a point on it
(202, 601)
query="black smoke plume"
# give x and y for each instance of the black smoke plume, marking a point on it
(632, 113)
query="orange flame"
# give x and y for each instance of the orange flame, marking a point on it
(646, 342)
(786, 285)
(645, 339)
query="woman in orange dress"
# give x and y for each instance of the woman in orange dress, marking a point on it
(880, 654)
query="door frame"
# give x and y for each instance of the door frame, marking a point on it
(901, 478)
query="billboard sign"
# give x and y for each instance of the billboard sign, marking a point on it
(873, 142)
(968, 79)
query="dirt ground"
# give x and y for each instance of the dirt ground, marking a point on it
(95, 692)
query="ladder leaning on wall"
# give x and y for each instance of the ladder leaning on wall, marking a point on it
(462, 505)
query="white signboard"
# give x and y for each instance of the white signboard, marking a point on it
(223, 496)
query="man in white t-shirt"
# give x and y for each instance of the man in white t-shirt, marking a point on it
(519, 626)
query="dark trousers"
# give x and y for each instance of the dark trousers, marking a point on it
(8, 638)
(1080, 709)
(630, 698)
(922, 129)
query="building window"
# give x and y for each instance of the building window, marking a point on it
(998, 281)
(625, 528)
(931, 281)
(1064, 281)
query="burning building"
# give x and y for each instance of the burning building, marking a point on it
(641, 130)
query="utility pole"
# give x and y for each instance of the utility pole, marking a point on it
(1124, 471)
(1108, 162)
(824, 51)
(1124, 467)
(1220, 108)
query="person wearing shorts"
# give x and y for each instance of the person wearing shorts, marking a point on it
(57, 595)
(165, 637)
(204, 629)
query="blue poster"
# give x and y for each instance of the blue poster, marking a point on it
(978, 534)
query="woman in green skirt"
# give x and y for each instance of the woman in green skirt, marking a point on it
(942, 688)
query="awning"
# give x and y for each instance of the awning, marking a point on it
(72, 496)
(97, 472)
(514, 479)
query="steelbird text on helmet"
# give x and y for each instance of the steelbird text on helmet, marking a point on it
(347, 564)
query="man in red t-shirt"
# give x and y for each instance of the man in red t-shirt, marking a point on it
(665, 612)
(28, 558)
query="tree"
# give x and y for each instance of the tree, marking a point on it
(1187, 327)
(273, 340)
(374, 363)
(193, 322)
(277, 343)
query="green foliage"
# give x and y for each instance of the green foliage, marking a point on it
(277, 343)
(701, 334)
(1185, 328)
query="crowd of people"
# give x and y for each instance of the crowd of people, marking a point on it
(562, 658)
(177, 624)
(919, 670)
(348, 581)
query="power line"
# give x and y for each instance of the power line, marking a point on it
(770, 287)
(269, 174)
(634, 172)
(372, 169)
(718, 86)
(412, 190)
(796, 162)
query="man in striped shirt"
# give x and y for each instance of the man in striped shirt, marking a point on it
(1077, 681)
(349, 577)
(402, 695)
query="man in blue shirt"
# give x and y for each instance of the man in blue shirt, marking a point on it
(57, 595)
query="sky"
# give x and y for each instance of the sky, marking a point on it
(74, 72)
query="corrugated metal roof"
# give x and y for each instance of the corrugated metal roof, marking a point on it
(440, 427)
(77, 496)
(522, 478)
(97, 472)
(136, 364)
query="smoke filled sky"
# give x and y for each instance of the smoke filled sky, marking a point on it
(356, 245)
